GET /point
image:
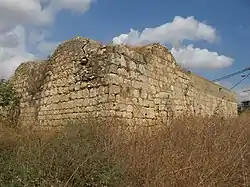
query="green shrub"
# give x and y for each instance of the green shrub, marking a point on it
(9, 103)
(8, 95)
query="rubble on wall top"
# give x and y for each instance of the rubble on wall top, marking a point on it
(148, 47)
(74, 43)
(79, 41)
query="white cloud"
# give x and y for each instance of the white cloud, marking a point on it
(178, 30)
(175, 33)
(23, 12)
(76, 5)
(19, 19)
(12, 55)
(9, 66)
(8, 38)
(36, 36)
(46, 48)
(191, 57)
(37, 12)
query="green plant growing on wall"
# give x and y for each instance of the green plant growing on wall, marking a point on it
(8, 94)
(9, 102)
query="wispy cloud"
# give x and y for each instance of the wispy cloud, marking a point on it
(32, 18)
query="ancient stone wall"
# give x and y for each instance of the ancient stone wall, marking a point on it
(83, 77)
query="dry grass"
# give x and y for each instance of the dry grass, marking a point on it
(188, 152)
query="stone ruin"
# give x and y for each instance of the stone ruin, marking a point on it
(85, 78)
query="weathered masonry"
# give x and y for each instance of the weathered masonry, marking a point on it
(135, 83)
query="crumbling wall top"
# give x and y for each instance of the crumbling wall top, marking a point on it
(23, 70)
(154, 48)
(76, 44)
(149, 48)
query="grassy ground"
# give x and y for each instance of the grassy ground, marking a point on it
(188, 152)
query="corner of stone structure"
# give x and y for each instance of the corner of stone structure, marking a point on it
(86, 77)
(30, 76)
(23, 68)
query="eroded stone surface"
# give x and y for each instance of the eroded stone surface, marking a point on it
(84, 77)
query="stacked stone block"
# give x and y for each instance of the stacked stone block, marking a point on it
(85, 78)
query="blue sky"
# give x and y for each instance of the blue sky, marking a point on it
(103, 20)
(109, 18)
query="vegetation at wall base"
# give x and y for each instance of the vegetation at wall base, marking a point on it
(8, 95)
(9, 104)
(188, 152)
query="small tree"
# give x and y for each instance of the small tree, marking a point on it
(8, 95)
(9, 102)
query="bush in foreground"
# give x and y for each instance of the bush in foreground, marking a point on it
(188, 152)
